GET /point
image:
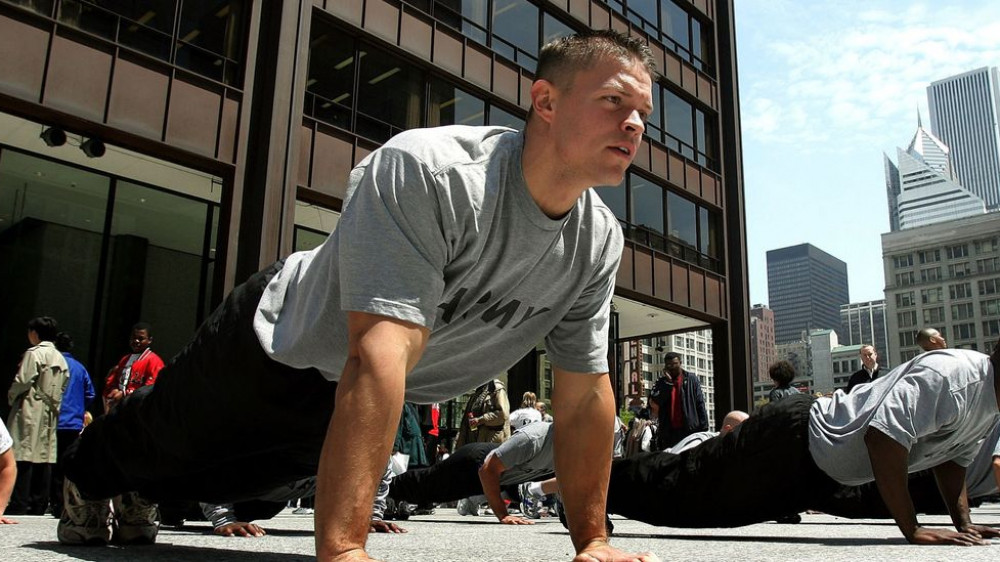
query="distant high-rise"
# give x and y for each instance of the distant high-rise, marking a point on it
(762, 349)
(863, 323)
(923, 188)
(964, 114)
(806, 288)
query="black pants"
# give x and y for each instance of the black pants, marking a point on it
(452, 479)
(64, 438)
(30, 495)
(223, 423)
(759, 472)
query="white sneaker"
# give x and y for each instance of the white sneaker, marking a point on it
(303, 511)
(83, 521)
(466, 507)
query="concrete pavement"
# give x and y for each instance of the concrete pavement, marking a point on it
(446, 536)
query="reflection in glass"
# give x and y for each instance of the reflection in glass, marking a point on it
(681, 220)
(614, 197)
(156, 262)
(515, 31)
(313, 224)
(390, 96)
(501, 118)
(449, 105)
(51, 223)
(675, 23)
(679, 121)
(553, 29)
(330, 81)
(647, 208)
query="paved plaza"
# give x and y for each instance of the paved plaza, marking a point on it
(446, 536)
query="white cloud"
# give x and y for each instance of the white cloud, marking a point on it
(857, 75)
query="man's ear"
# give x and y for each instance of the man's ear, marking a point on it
(543, 98)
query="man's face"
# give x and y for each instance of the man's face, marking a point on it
(937, 341)
(599, 120)
(139, 341)
(673, 366)
(869, 357)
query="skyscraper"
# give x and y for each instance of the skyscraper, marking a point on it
(964, 115)
(762, 349)
(863, 323)
(923, 188)
(806, 288)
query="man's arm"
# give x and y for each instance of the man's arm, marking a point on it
(359, 439)
(889, 464)
(489, 476)
(8, 474)
(950, 478)
(582, 440)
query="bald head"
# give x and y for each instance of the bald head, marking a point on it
(929, 339)
(732, 419)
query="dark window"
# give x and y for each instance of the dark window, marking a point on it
(449, 105)
(682, 221)
(515, 31)
(390, 95)
(503, 118)
(553, 29)
(330, 84)
(647, 211)
(208, 38)
(614, 198)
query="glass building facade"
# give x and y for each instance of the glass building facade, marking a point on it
(230, 128)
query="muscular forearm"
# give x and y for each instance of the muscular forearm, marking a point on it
(491, 489)
(951, 482)
(367, 413)
(889, 464)
(359, 438)
(583, 436)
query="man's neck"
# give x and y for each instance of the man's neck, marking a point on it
(553, 188)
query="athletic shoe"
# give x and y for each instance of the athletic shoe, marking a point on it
(83, 522)
(466, 507)
(303, 511)
(529, 504)
(402, 511)
(137, 519)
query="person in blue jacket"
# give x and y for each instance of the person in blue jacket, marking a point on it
(77, 397)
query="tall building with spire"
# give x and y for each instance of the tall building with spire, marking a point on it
(922, 188)
(965, 115)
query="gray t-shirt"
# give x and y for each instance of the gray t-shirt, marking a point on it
(439, 230)
(691, 441)
(939, 405)
(979, 477)
(527, 455)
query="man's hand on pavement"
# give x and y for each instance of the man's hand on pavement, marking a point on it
(7, 521)
(515, 520)
(604, 552)
(241, 529)
(379, 526)
(928, 535)
(983, 531)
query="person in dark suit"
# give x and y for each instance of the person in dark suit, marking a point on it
(869, 368)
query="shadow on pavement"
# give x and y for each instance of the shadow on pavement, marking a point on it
(165, 553)
(827, 541)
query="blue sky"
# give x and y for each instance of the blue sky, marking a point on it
(825, 89)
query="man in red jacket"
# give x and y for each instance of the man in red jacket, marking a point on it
(136, 369)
